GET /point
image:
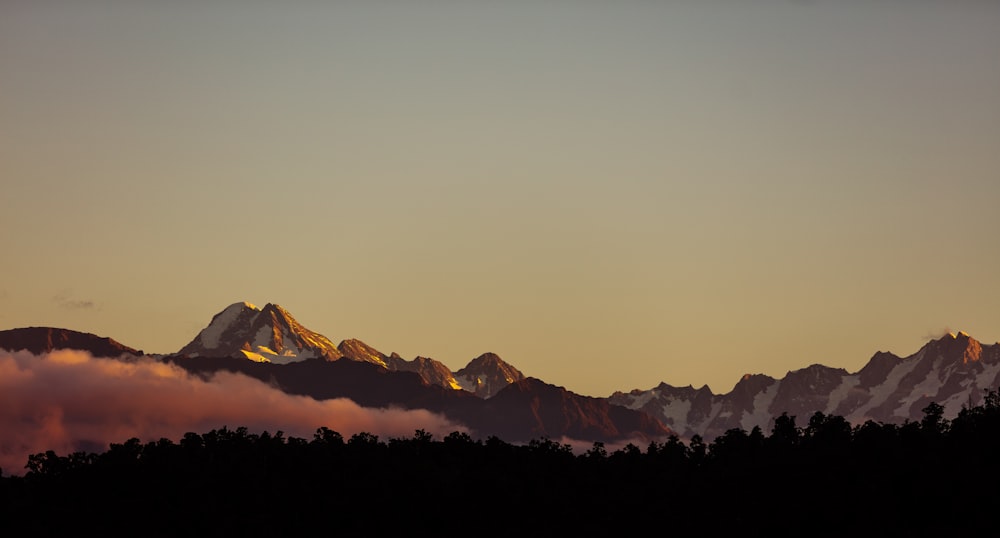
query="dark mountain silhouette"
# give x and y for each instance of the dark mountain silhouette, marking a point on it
(522, 411)
(47, 339)
(531, 408)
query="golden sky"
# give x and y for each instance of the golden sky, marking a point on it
(606, 195)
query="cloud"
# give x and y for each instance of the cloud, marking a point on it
(64, 300)
(935, 335)
(67, 401)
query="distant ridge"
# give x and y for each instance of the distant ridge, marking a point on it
(952, 371)
(39, 340)
(272, 334)
(491, 395)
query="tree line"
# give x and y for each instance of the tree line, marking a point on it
(826, 477)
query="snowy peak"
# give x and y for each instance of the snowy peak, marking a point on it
(278, 337)
(232, 322)
(953, 371)
(270, 334)
(486, 375)
(956, 345)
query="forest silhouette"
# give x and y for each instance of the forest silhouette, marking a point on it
(824, 478)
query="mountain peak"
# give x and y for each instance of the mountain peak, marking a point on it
(233, 315)
(273, 307)
(957, 345)
(487, 374)
(270, 334)
(485, 359)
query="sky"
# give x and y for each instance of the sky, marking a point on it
(607, 195)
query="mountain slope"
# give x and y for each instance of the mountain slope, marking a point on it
(39, 340)
(270, 334)
(952, 371)
(524, 411)
(284, 353)
(487, 375)
(431, 371)
(530, 409)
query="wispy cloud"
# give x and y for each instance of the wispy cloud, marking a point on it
(68, 401)
(934, 335)
(65, 300)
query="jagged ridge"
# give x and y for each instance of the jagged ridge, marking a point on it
(954, 370)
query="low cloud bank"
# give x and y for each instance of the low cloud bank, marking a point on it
(67, 401)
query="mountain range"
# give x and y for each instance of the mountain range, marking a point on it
(492, 397)
(952, 371)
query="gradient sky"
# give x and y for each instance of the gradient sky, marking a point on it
(607, 195)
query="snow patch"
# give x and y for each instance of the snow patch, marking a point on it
(637, 401)
(263, 337)
(761, 415)
(973, 386)
(988, 377)
(256, 357)
(221, 322)
(928, 387)
(882, 392)
(839, 394)
(675, 411)
(466, 384)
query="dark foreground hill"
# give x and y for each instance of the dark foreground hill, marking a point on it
(47, 339)
(525, 409)
(825, 478)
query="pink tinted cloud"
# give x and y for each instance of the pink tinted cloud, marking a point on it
(67, 401)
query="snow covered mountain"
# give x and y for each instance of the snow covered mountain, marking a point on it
(269, 343)
(951, 371)
(270, 334)
(488, 395)
(487, 375)
(522, 411)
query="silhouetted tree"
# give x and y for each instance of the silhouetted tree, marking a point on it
(816, 478)
(933, 421)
